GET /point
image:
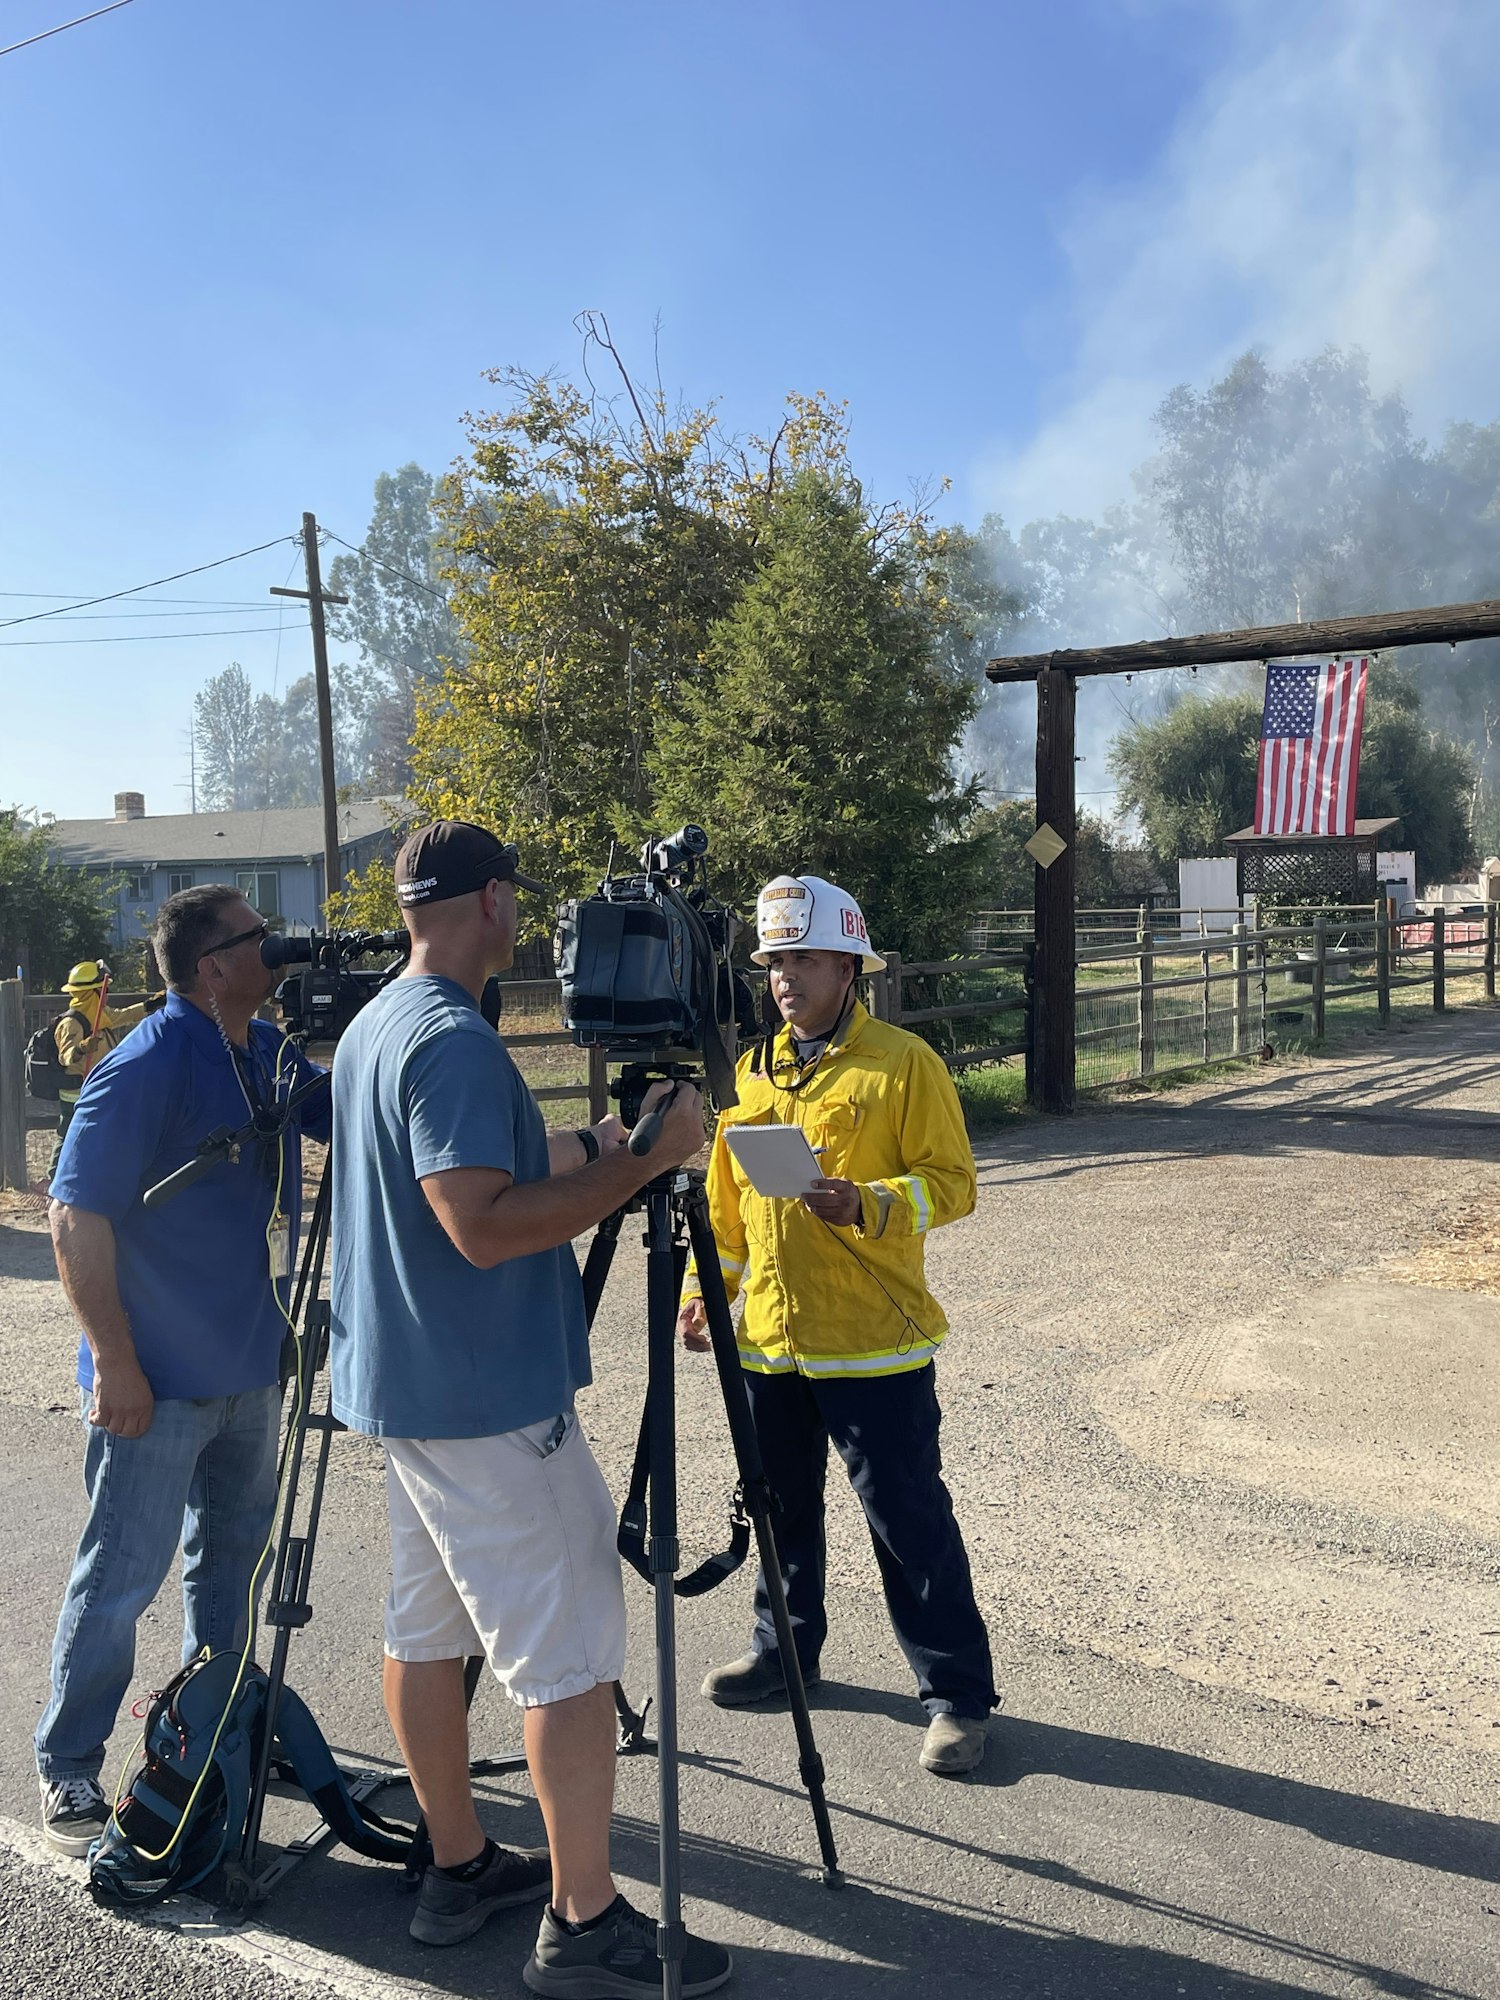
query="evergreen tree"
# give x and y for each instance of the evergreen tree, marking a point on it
(820, 736)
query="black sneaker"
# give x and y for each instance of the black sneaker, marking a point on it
(449, 1911)
(616, 1959)
(75, 1813)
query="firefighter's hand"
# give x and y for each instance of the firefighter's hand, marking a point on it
(123, 1402)
(835, 1201)
(692, 1326)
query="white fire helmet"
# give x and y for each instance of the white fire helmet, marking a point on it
(805, 913)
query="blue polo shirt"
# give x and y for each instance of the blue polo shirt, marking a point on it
(423, 1344)
(194, 1275)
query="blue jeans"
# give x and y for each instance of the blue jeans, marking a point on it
(204, 1471)
(885, 1428)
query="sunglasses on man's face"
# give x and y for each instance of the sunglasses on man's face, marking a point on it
(261, 930)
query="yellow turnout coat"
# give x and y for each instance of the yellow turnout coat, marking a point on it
(843, 1301)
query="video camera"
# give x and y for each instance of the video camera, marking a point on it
(645, 965)
(317, 1004)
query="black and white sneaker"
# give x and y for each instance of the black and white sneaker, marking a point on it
(75, 1813)
(448, 1911)
(615, 1959)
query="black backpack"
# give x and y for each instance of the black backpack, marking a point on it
(183, 1812)
(45, 1074)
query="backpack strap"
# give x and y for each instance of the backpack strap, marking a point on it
(304, 1746)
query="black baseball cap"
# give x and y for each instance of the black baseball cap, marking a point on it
(453, 857)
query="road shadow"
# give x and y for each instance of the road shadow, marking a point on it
(25, 1253)
(1021, 1749)
(875, 1936)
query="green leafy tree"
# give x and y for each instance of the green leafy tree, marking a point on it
(595, 539)
(821, 733)
(51, 916)
(1190, 775)
(229, 735)
(399, 620)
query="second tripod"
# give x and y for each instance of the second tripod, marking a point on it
(675, 1207)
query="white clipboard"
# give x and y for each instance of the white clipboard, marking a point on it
(777, 1158)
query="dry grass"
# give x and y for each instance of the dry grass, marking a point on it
(1462, 1256)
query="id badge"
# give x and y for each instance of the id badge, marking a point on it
(279, 1238)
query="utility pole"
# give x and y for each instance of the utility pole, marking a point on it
(316, 598)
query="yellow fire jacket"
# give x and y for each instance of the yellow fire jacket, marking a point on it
(78, 1050)
(843, 1301)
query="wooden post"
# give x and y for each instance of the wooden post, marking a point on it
(1056, 952)
(1241, 990)
(1440, 962)
(1320, 975)
(893, 988)
(598, 1085)
(317, 597)
(1383, 961)
(1145, 966)
(1489, 951)
(12, 1086)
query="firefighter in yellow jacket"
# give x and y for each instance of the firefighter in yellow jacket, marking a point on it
(86, 1034)
(839, 1329)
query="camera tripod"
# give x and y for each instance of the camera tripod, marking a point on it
(675, 1207)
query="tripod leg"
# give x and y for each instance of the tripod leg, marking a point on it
(757, 1494)
(287, 1604)
(661, 1349)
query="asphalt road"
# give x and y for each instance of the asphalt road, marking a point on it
(1227, 1479)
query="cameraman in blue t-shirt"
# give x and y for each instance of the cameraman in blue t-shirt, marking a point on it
(183, 1310)
(459, 1339)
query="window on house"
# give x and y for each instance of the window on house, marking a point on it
(261, 888)
(179, 881)
(138, 888)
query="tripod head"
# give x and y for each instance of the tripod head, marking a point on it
(629, 1089)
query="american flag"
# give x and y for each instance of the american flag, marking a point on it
(1309, 746)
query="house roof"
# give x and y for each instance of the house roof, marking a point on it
(209, 839)
(1364, 829)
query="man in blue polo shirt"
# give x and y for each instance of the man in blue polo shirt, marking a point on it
(183, 1322)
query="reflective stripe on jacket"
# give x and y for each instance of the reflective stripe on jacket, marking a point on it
(843, 1301)
(78, 1050)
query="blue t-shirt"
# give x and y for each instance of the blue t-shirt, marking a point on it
(423, 1344)
(195, 1274)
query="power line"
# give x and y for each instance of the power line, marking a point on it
(415, 581)
(63, 26)
(116, 617)
(136, 588)
(68, 597)
(144, 638)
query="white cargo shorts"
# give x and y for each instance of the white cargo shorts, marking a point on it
(505, 1546)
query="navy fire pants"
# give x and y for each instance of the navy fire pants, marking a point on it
(885, 1428)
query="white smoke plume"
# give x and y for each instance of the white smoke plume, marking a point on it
(1333, 183)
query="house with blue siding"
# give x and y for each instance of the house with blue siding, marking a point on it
(275, 857)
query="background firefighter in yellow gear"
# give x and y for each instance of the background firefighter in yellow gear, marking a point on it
(839, 1328)
(86, 1034)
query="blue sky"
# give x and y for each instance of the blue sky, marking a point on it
(255, 254)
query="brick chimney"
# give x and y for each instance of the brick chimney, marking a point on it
(130, 805)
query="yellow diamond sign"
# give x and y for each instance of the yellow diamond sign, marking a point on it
(1045, 845)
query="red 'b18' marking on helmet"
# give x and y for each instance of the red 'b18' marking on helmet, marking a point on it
(854, 924)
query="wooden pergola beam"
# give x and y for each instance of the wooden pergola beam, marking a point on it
(1442, 625)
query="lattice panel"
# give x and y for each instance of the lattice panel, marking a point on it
(1323, 871)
